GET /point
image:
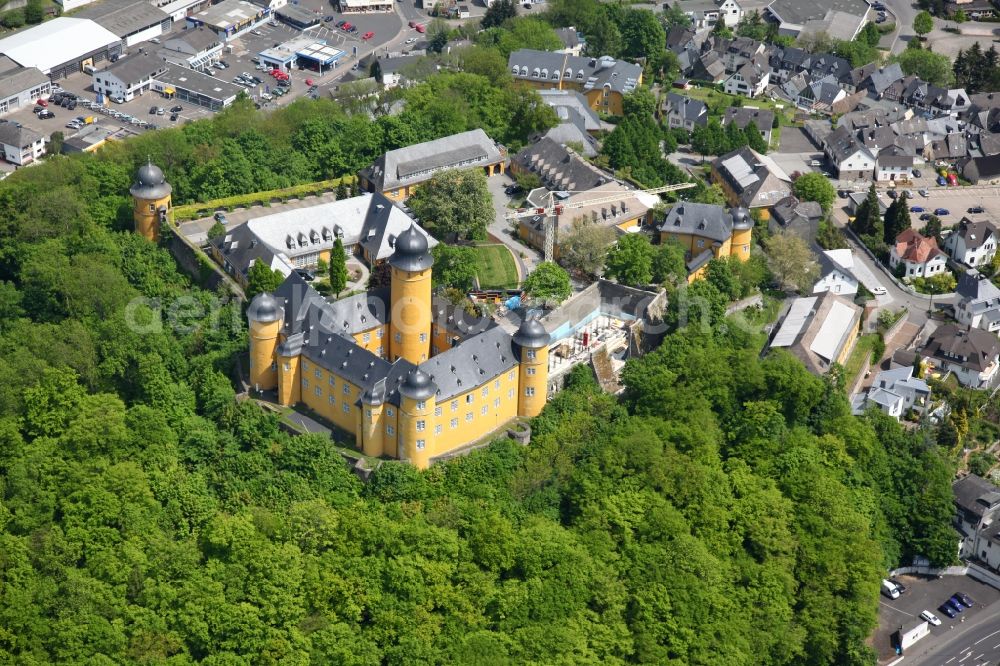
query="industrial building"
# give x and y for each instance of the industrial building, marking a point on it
(230, 18)
(62, 46)
(129, 77)
(134, 21)
(196, 48)
(195, 87)
(298, 17)
(20, 86)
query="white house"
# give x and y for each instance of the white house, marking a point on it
(971, 354)
(706, 13)
(889, 167)
(897, 390)
(977, 503)
(836, 273)
(20, 145)
(685, 112)
(751, 79)
(918, 255)
(979, 302)
(850, 156)
(129, 77)
(972, 243)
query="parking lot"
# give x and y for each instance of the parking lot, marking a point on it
(928, 593)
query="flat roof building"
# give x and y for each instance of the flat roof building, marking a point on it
(299, 18)
(196, 87)
(819, 330)
(364, 6)
(61, 46)
(134, 21)
(194, 47)
(230, 18)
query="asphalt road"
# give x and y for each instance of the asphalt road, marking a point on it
(972, 643)
(904, 11)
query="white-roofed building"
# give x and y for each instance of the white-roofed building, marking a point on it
(62, 46)
(836, 273)
(895, 391)
(367, 225)
(819, 331)
(230, 18)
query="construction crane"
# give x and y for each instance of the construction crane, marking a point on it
(554, 209)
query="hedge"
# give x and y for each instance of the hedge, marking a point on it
(201, 209)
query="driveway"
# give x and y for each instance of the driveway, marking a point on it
(527, 258)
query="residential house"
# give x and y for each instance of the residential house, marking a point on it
(796, 217)
(978, 303)
(972, 243)
(880, 80)
(891, 167)
(914, 255)
(707, 232)
(20, 145)
(977, 504)
(819, 330)
(850, 157)
(684, 112)
(572, 40)
(558, 166)
(855, 199)
(707, 66)
(750, 180)
(981, 170)
(706, 13)
(762, 119)
(836, 269)
(895, 391)
(625, 215)
(603, 81)
(572, 107)
(971, 354)
(751, 79)
(977, 10)
(398, 172)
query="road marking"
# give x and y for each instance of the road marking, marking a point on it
(980, 656)
(985, 637)
(964, 658)
(950, 660)
(996, 646)
(965, 649)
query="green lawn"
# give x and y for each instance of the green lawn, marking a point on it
(864, 345)
(495, 267)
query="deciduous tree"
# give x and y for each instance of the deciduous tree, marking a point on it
(630, 260)
(791, 261)
(455, 202)
(549, 283)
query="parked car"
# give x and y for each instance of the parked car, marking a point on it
(964, 598)
(957, 603)
(411, 40)
(340, 24)
(916, 209)
(879, 291)
(306, 275)
(420, 28)
(916, 173)
(173, 117)
(327, 19)
(368, 35)
(346, 26)
(892, 194)
(977, 209)
(924, 193)
(930, 617)
(412, 24)
(926, 216)
(46, 114)
(41, 102)
(941, 211)
(511, 190)
(947, 610)
(176, 109)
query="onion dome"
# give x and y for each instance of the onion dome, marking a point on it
(741, 219)
(150, 183)
(411, 252)
(531, 335)
(417, 386)
(264, 309)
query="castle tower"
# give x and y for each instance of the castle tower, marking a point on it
(531, 343)
(265, 316)
(151, 201)
(410, 312)
(742, 230)
(288, 355)
(416, 423)
(372, 429)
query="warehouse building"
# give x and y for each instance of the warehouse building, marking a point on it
(20, 86)
(299, 18)
(62, 46)
(230, 18)
(134, 21)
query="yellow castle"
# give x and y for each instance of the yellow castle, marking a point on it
(151, 201)
(401, 370)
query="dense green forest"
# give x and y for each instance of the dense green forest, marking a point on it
(726, 510)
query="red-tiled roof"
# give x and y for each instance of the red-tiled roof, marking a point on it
(912, 247)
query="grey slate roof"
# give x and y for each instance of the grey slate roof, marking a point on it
(755, 178)
(690, 110)
(974, 232)
(977, 292)
(414, 164)
(971, 348)
(474, 361)
(15, 79)
(192, 40)
(559, 167)
(981, 168)
(15, 134)
(123, 17)
(572, 106)
(707, 220)
(742, 116)
(975, 494)
(617, 75)
(135, 68)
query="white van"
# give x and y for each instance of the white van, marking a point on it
(889, 589)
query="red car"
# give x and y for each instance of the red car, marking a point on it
(419, 28)
(368, 35)
(346, 27)
(41, 102)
